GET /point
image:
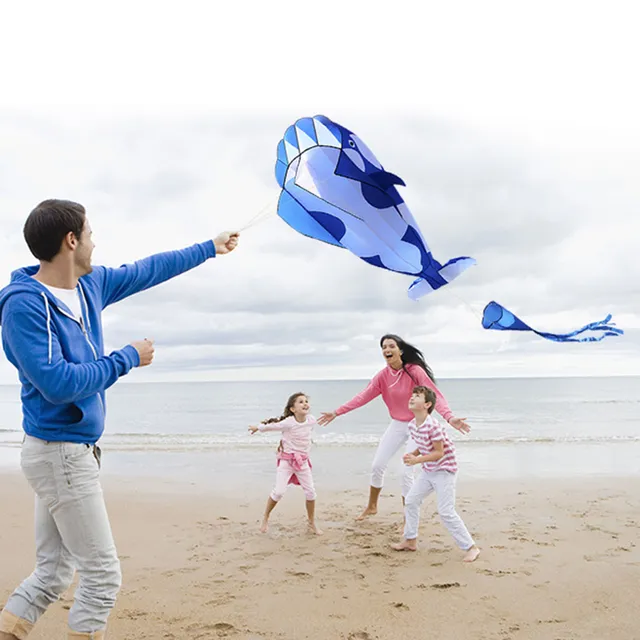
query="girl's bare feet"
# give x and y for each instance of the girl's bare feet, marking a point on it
(406, 545)
(314, 529)
(271, 505)
(471, 554)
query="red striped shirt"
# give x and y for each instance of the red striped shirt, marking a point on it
(425, 435)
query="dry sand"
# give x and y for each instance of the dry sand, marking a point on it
(559, 561)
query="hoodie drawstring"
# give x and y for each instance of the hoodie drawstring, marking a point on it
(46, 306)
(86, 306)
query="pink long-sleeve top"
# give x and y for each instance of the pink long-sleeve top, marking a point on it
(396, 388)
(296, 436)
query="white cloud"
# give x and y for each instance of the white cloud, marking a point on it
(515, 130)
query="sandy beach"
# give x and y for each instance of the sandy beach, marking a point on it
(559, 561)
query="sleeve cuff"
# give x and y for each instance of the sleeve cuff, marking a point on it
(132, 356)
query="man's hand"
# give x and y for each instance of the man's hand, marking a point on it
(226, 242)
(145, 351)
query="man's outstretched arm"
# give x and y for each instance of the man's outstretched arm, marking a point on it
(128, 279)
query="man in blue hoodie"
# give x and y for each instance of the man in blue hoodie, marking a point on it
(52, 333)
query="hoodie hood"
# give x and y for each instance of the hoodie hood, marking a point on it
(22, 281)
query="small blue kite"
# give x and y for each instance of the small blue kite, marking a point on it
(495, 316)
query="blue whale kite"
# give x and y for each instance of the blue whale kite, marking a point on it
(335, 190)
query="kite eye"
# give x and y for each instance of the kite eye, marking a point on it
(352, 143)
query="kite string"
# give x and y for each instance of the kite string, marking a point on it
(467, 304)
(266, 212)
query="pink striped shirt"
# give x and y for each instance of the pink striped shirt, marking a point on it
(396, 388)
(296, 436)
(425, 435)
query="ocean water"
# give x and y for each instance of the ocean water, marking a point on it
(197, 432)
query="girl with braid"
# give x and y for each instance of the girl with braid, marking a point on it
(405, 368)
(293, 465)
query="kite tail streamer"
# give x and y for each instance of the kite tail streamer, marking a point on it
(605, 326)
(496, 317)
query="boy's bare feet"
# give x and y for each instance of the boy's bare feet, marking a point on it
(471, 554)
(369, 511)
(406, 545)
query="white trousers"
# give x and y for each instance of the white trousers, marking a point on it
(444, 485)
(72, 532)
(394, 438)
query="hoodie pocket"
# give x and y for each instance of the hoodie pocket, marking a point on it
(89, 411)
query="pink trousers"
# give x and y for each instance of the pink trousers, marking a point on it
(283, 474)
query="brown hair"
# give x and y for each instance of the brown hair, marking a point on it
(49, 223)
(428, 395)
(288, 408)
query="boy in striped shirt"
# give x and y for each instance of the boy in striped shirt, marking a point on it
(436, 453)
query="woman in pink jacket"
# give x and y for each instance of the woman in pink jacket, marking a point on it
(406, 368)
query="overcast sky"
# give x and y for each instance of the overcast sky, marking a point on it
(514, 126)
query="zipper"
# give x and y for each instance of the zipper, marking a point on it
(81, 325)
(86, 335)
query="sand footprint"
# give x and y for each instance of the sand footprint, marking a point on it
(222, 629)
(499, 573)
(438, 585)
(173, 572)
(299, 574)
(133, 614)
(552, 621)
(224, 599)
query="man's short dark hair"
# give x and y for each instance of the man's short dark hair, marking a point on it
(49, 223)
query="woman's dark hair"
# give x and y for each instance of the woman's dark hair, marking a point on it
(49, 223)
(288, 410)
(410, 355)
